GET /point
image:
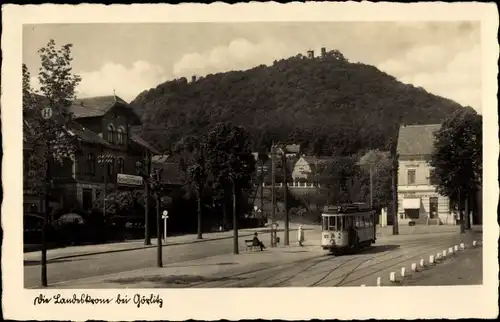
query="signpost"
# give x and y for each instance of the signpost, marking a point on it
(47, 113)
(165, 217)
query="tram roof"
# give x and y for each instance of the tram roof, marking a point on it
(346, 209)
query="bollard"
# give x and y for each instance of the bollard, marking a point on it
(462, 246)
(392, 277)
(444, 254)
(403, 271)
(456, 248)
(379, 281)
(362, 285)
(431, 259)
(422, 264)
(474, 243)
(414, 267)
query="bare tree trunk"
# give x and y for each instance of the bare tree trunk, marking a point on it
(199, 216)
(461, 214)
(159, 261)
(467, 215)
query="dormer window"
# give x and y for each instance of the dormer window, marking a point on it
(121, 135)
(111, 133)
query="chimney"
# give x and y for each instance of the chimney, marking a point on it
(310, 54)
(193, 78)
(323, 52)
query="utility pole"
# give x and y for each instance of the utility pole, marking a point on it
(371, 186)
(235, 219)
(147, 196)
(261, 187)
(285, 198)
(273, 192)
(157, 187)
(395, 226)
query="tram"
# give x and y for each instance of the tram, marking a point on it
(347, 227)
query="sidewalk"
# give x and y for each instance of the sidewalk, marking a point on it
(85, 250)
(463, 269)
(210, 271)
(418, 229)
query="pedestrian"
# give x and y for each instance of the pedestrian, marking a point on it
(256, 242)
(300, 236)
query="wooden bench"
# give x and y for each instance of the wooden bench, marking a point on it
(250, 246)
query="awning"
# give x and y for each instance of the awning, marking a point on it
(411, 203)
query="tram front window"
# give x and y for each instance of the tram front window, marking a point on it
(339, 223)
(331, 223)
(325, 223)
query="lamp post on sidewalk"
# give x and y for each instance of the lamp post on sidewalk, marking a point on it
(105, 159)
(155, 181)
(144, 171)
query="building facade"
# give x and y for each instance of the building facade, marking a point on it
(103, 126)
(418, 200)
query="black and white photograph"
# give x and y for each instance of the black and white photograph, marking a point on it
(260, 156)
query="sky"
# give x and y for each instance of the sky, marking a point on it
(442, 57)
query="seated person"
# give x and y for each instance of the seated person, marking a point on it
(257, 242)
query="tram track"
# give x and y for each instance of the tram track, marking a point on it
(343, 277)
(384, 253)
(226, 281)
(283, 267)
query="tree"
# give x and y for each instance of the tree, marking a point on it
(457, 158)
(380, 165)
(197, 178)
(49, 136)
(229, 159)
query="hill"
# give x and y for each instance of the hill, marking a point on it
(328, 104)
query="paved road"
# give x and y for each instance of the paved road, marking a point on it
(65, 269)
(281, 267)
(351, 270)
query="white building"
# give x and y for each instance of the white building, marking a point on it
(418, 200)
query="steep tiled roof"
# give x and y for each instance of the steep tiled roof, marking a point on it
(416, 139)
(94, 106)
(139, 140)
(85, 135)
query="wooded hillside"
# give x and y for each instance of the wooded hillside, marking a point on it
(327, 104)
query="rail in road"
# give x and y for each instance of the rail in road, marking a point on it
(293, 266)
(327, 270)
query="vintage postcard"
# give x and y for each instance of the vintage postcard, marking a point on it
(264, 160)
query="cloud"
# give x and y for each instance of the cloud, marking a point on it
(128, 82)
(239, 54)
(450, 71)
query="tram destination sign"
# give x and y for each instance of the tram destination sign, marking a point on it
(128, 180)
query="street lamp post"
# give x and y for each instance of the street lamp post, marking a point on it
(105, 159)
(285, 198)
(46, 115)
(144, 170)
(156, 187)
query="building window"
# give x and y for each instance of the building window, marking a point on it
(111, 168)
(411, 173)
(90, 164)
(433, 207)
(432, 177)
(121, 165)
(120, 135)
(111, 133)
